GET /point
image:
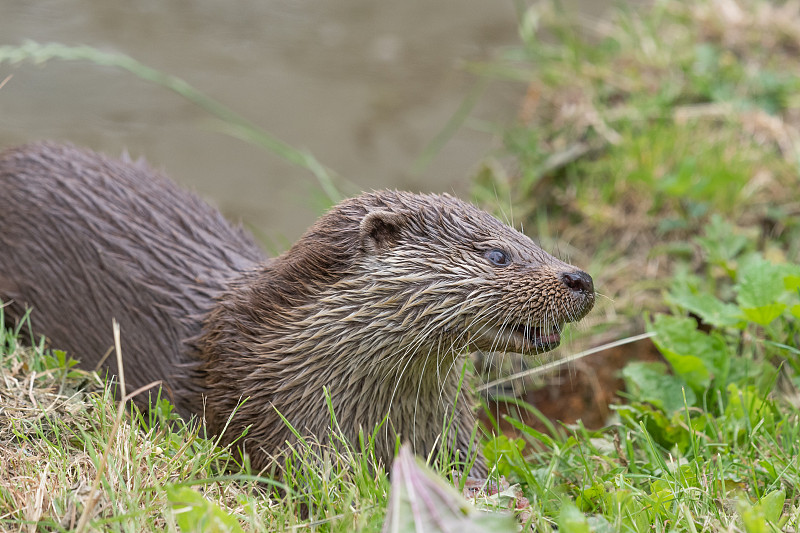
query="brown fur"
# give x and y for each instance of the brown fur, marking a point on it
(377, 302)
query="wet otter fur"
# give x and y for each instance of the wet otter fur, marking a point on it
(377, 302)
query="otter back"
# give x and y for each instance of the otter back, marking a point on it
(85, 239)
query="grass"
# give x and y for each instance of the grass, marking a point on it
(63, 431)
(662, 146)
(659, 148)
(637, 129)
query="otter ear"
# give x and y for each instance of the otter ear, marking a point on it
(380, 230)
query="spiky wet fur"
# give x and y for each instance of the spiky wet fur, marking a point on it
(85, 239)
(377, 303)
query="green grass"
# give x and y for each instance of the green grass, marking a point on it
(709, 438)
(659, 149)
(60, 427)
(638, 128)
(662, 145)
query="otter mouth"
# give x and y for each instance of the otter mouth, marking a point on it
(517, 338)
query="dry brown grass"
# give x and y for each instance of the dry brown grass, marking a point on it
(68, 451)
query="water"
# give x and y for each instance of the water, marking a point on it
(363, 85)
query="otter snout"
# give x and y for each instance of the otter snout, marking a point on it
(581, 287)
(578, 281)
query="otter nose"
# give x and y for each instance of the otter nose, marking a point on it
(578, 281)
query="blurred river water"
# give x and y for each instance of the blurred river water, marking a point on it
(363, 85)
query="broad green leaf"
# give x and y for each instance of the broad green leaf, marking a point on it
(746, 403)
(721, 241)
(650, 382)
(502, 451)
(765, 314)
(753, 518)
(707, 306)
(772, 504)
(760, 283)
(589, 496)
(757, 518)
(791, 275)
(194, 513)
(572, 520)
(795, 310)
(667, 432)
(691, 369)
(792, 282)
(679, 337)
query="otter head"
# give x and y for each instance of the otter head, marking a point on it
(465, 279)
(389, 275)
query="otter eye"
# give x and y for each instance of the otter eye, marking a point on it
(498, 257)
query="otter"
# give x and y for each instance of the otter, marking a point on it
(375, 306)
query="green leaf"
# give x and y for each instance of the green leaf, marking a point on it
(791, 275)
(707, 306)
(650, 382)
(753, 518)
(589, 496)
(572, 520)
(764, 314)
(195, 513)
(721, 241)
(695, 356)
(772, 504)
(691, 369)
(747, 404)
(760, 283)
(503, 451)
(763, 287)
(757, 518)
(792, 282)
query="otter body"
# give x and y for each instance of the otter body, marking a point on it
(376, 303)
